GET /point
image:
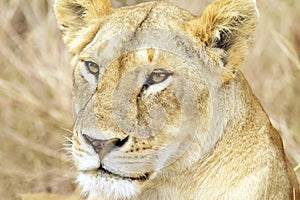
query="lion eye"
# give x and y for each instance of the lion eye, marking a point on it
(92, 67)
(158, 76)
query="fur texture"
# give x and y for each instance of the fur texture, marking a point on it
(160, 92)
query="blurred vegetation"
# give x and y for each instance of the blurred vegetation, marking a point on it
(35, 89)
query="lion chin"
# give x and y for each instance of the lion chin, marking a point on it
(97, 186)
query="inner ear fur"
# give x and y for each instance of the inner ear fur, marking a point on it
(228, 25)
(79, 16)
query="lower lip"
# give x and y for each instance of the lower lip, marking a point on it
(105, 172)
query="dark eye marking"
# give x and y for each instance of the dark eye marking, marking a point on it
(157, 76)
(92, 67)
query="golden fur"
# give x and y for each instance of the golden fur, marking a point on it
(198, 133)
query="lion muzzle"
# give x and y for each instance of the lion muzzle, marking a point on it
(102, 147)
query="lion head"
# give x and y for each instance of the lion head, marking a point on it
(153, 89)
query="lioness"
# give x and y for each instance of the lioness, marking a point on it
(161, 108)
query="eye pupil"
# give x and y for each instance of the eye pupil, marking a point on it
(158, 76)
(92, 67)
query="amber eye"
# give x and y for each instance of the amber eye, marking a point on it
(92, 67)
(158, 76)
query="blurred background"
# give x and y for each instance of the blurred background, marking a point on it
(35, 89)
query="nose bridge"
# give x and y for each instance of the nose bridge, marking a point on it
(103, 98)
(116, 95)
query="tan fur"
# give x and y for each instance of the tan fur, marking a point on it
(200, 134)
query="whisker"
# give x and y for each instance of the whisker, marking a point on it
(68, 139)
(67, 145)
(67, 130)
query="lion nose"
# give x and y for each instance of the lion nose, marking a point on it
(103, 147)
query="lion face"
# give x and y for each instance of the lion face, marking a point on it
(141, 98)
(146, 94)
(144, 98)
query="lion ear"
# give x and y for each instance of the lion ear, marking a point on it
(228, 25)
(73, 16)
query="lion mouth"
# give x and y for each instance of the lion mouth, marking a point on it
(105, 173)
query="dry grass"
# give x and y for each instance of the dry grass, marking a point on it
(35, 89)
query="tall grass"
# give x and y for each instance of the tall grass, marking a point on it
(35, 89)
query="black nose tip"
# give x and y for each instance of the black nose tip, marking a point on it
(101, 147)
(120, 143)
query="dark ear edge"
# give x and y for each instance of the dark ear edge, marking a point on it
(229, 26)
(75, 16)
